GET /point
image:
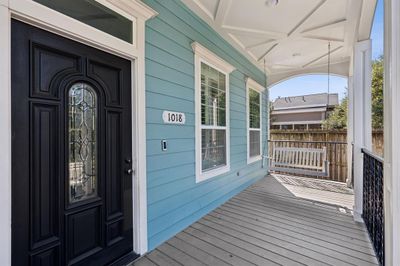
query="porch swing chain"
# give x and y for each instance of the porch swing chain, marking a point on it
(329, 69)
(264, 155)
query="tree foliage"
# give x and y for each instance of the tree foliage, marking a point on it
(377, 93)
(338, 117)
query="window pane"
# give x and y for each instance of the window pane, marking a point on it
(213, 97)
(82, 137)
(254, 143)
(254, 108)
(213, 143)
(94, 14)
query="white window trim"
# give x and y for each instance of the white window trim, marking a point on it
(251, 84)
(203, 55)
(45, 18)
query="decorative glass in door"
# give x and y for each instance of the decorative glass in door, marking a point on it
(82, 138)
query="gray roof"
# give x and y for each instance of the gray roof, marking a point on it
(304, 101)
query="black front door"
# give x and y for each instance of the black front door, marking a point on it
(71, 148)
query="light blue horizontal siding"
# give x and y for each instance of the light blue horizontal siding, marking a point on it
(174, 199)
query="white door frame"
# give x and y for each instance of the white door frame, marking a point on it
(42, 17)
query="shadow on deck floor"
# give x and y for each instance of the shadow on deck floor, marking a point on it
(267, 224)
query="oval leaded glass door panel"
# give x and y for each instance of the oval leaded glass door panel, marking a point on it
(82, 138)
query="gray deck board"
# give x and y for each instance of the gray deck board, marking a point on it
(307, 229)
(299, 218)
(179, 255)
(299, 212)
(144, 261)
(299, 233)
(206, 244)
(294, 207)
(222, 241)
(267, 224)
(288, 249)
(162, 259)
(197, 253)
(280, 238)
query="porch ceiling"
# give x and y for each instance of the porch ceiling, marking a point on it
(293, 35)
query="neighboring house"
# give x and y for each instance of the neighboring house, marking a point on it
(302, 112)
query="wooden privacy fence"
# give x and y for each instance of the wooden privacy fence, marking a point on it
(326, 135)
(336, 153)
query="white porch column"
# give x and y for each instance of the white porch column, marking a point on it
(392, 132)
(350, 133)
(362, 132)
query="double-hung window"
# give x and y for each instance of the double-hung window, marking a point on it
(254, 121)
(212, 113)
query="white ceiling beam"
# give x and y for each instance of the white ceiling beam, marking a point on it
(297, 28)
(252, 56)
(233, 37)
(353, 15)
(200, 7)
(209, 17)
(320, 66)
(323, 39)
(261, 44)
(222, 10)
(282, 66)
(253, 32)
(333, 62)
(267, 52)
(327, 26)
(322, 56)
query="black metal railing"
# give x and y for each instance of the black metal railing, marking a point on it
(373, 209)
(336, 154)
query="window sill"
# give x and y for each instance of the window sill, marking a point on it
(203, 176)
(254, 159)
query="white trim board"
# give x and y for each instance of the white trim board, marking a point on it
(301, 106)
(298, 111)
(5, 136)
(203, 55)
(251, 84)
(311, 122)
(42, 17)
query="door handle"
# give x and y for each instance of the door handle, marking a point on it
(129, 171)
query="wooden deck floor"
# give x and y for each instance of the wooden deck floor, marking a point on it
(268, 225)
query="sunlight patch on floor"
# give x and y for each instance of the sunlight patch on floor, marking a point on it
(327, 192)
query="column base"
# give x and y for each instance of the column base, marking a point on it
(357, 215)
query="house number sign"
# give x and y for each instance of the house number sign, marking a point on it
(170, 117)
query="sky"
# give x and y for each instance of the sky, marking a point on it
(310, 84)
